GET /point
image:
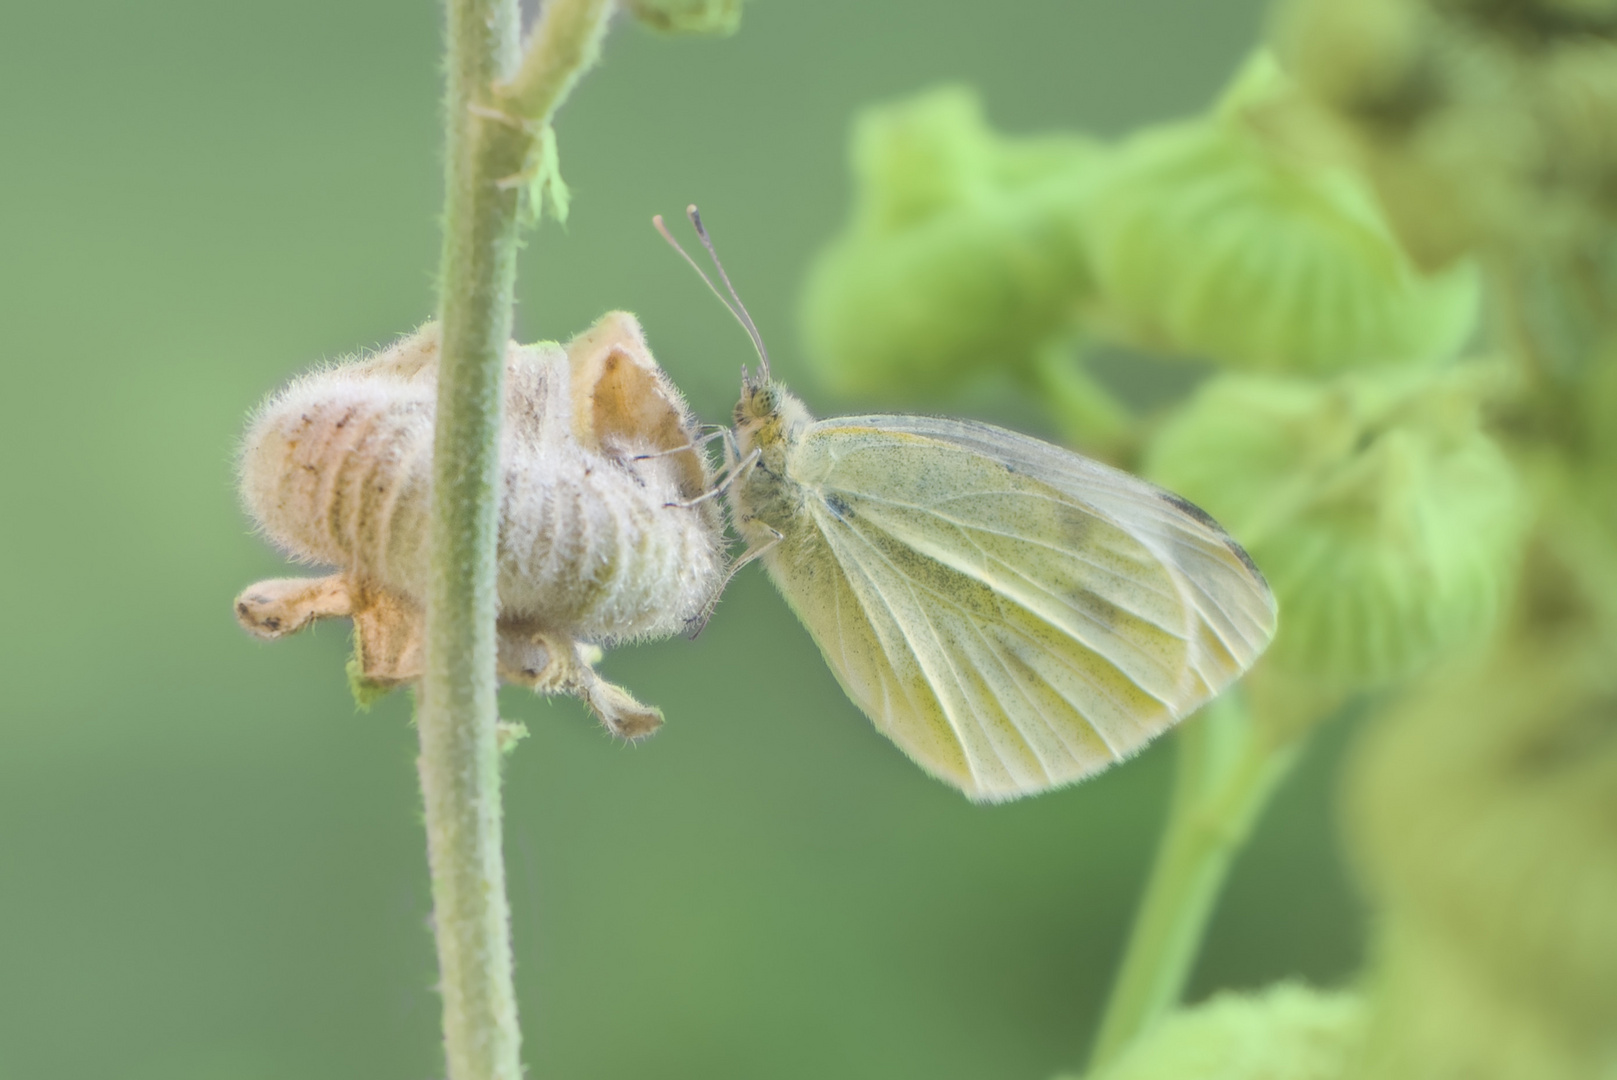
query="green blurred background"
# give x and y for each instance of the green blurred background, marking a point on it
(212, 867)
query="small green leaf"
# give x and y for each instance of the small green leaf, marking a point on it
(366, 692)
(546, 191)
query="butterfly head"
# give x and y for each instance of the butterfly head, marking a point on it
(768, 415)
(760, 400)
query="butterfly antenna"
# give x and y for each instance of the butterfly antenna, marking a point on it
(657, 220)
(740, 309)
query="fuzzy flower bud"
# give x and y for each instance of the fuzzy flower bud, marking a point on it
(962, 254)
(1385, 520)
(1286, 1032)
(594, 546)
(1211, 239)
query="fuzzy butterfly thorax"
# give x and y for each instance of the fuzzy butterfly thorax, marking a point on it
(769, 422)
(768, 417)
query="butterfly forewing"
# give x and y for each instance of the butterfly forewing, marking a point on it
(1230, 599)
(1012, 615)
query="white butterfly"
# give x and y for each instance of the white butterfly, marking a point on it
(1013, 615)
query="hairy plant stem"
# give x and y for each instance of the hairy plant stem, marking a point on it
(489, 145)
(1225, 772)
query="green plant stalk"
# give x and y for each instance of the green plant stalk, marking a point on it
(566, 44)
(1089, 416)
(488, 147)
(1225, 772)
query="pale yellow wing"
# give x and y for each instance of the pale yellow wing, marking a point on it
(1013, 615)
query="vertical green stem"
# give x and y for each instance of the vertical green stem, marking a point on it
(456, 712)
(1226, 771)
(489, 146)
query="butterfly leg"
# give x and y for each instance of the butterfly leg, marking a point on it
(736, 473)
(699, 623)
(754, 551)
(695, 444)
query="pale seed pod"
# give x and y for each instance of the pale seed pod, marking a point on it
(1285, 1032)
(598, 541)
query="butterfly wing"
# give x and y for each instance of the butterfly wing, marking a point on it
(1013, 615)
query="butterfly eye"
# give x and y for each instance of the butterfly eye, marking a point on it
(757, 403)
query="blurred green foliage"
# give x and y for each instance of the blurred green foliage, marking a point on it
(1430, 496)
(211, 867)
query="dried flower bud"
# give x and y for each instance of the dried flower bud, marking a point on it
(596, 456)
(1387, 522)
(962, 254)
(1285, 1032)
(1212, 238)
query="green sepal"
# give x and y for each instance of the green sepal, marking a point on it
(1387, 522)
(1216, 238)
(546, 191)
(366, 692)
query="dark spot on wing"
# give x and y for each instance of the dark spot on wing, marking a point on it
(1190, 509)
(1103, 611)
(839, 506)
(1074, 525)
